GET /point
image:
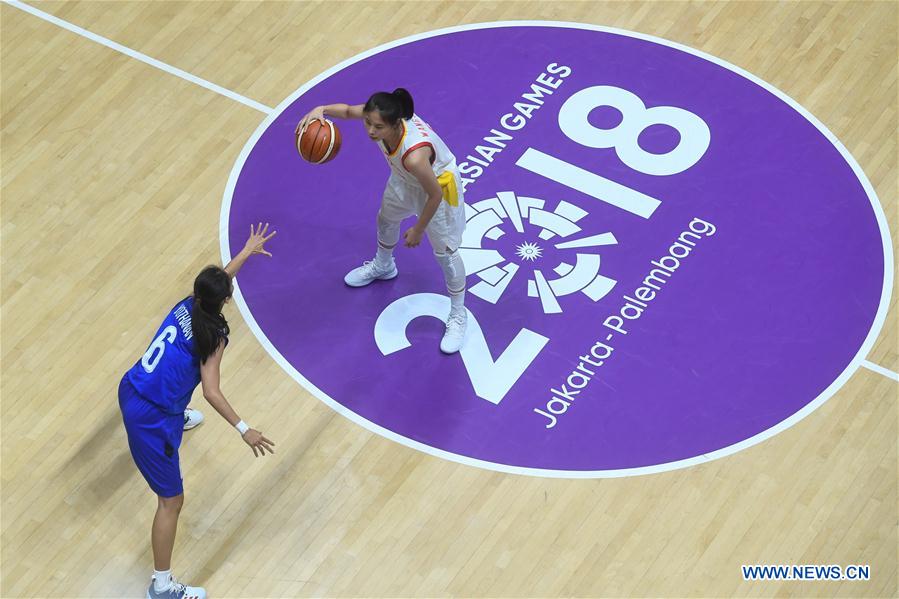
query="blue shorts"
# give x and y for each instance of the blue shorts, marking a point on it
(154, 438)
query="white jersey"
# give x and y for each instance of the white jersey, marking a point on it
(404, 195)
(418, 134)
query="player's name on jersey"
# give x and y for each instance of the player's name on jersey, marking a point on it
(182, 315)
(523, 110)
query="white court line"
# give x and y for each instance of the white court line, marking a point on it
(141, 57)
(881, 370)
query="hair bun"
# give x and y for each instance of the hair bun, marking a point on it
(405, 100)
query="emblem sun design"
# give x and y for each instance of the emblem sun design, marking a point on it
(487, 221)
(529, 251)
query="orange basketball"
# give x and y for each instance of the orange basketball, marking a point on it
(318, 143)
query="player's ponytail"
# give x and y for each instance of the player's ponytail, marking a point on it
(211, 288)
(391, 106)
(405, 99)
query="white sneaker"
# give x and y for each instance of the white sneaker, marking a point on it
(192, 418)
(454, 335)
(176, 590)
(370, 271)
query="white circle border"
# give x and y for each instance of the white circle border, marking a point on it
(841, 380)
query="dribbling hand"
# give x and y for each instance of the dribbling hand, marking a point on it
(258, 442)
(316, 113)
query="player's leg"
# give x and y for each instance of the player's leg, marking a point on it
(445, 233)
(394, 208)
(445, 236)
(388, 236)
(154, 438)
(454, 275)
(165, 526)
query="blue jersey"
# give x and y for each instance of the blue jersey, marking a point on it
(169, 371)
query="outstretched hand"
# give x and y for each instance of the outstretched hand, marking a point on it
(258, 442)
(256, 242)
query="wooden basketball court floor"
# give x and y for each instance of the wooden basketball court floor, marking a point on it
(112, 178)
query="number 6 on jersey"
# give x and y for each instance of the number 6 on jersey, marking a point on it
(154, 353)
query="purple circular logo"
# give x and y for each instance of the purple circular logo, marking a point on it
(668, 259)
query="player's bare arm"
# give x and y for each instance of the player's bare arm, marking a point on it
(255, 245)
(418, 162)
(210, 377)
(340, 111)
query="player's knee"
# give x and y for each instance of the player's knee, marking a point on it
(384, 222)
(172, 504)
(453, 268)
(388, 231)
(444, 261)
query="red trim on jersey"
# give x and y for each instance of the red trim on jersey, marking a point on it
(420, 145)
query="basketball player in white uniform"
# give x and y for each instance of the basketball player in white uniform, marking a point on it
(424, 181)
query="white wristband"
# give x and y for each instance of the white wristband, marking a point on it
(242, 427)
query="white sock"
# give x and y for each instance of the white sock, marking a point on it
(457, 301)
(382, 258)
(163, 580)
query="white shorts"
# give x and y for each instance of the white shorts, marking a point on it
(402, 200)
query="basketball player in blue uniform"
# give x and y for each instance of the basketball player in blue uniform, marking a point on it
(153, 396)
(424, 181)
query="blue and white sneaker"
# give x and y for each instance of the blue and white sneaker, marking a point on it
(176, 590)
(192, 418)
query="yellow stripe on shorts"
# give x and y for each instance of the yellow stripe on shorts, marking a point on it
(447, 183)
